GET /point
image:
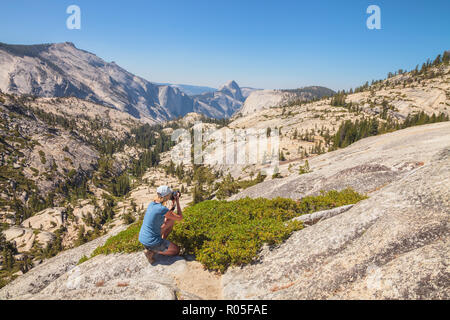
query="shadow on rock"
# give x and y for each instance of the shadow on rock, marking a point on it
(166, 260)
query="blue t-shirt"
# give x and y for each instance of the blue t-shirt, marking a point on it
(150, 234)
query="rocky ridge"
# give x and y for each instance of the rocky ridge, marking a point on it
(264, 99)
(62, 70)
(304, 127)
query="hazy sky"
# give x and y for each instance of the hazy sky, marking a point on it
(262, 44)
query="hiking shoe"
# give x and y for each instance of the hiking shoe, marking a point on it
(149, 255)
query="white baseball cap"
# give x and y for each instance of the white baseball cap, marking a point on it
(163, 191)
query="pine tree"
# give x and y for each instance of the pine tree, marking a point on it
(305, 168)
(437, 61)
(81, 236)
(446, 57)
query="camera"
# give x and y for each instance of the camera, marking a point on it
(175, 194)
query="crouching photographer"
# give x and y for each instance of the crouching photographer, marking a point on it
(158, 223)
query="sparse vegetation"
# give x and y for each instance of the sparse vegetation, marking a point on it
(304, 168)
(228, 186)
(83, 259)
(222, 233)
(42, 155)
(350, 132)
(125, 242)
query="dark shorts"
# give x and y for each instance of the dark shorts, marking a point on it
(163, 246)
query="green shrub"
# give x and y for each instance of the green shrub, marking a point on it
(228, 186)
(128, 218)
(42, 156)
(329, 200)
(35, 171)
(125, 241)
(225, 233)
(68, 160)
(277, 175)
(83, 259)
(304, 169)
(3, 283)
(222, 233)
(72, 173)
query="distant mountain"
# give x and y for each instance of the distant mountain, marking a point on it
(62, 70)
(217, 103)
(190, 89)
(226, 100)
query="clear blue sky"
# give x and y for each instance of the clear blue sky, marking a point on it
(263, 44)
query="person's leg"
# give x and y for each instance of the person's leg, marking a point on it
(166, 228)
(166, 248)
(173, 250)
(149, 254)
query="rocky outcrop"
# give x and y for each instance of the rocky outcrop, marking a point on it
(42, 275)
(24, 238)
(48, 219)
(313, 218)
(45, 154)
(393, 245)
(130, 276)
(304, 127)
(263, 99)
(190, 89)
(118, 276)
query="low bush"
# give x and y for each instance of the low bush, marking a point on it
(126, 241)
(225, 233)
(42, 156)
(228, 186)
(222, 233)
(304, 169)
(82, 259)
(3, 283)
(128, 218)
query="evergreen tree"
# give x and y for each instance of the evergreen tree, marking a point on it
(82, 239)
(304, 169)
(446, 57)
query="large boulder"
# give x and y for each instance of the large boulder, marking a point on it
(24, 238)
